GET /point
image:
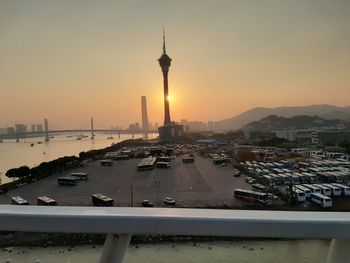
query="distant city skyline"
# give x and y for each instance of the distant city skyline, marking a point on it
(68, 61)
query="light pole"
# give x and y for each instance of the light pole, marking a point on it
(131, 196)
(157, 182)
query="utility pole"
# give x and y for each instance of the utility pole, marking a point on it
(131, 196)
(157, 182)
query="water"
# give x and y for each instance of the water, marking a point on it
(268, 251)
(14, 154)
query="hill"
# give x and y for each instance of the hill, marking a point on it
(255, 114)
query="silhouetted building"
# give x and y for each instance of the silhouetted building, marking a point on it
(145, 125)
(39, 128)
(33, 128)
(170, 131)
(10, 130)
(20, 128)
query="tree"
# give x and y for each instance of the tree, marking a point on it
(20, 172)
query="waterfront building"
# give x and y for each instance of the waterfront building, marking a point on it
(33, 128)
(170, 131)
(39, 128)
(20, 128)
(10, 130)
(145, 124)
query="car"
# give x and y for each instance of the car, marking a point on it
(147, 203)
(236, 174)
(169, 201)
(248, 179)
(272, 197)
(223, 164)
(252, 181)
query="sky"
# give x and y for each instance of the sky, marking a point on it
(71, 60)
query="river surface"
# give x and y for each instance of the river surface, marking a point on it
(14, 154)
(268, 251)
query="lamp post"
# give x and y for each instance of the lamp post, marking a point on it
(157, 182)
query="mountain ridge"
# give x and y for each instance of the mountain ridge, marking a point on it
(326, 111)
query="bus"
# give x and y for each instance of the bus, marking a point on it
(324, 190)
(304, 179)
(306, 190)
(251, 196)
(163, 164)
(44, 200)
(102, 200)
(80, 176)
(259, 188)
(313, 188)
(147, 163)
(312, 177)
(345, 190)
(17, 200)
(299, 195)
(71, 181)
(164, 159)
(106, 163)
(277, 180)
(321, 200)
(334, 189)
(295, 179)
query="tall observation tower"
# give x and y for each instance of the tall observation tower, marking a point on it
(170, 131)
(165, 62)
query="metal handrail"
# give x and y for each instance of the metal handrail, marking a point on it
(175, 221)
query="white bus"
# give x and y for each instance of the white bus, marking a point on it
(313, 188)
(44, 200)
(345, 190)
(324, 190)
(334, 189)
(321, 200)
(306, 190)
(80, 176)
(250, 195)
(299, 195)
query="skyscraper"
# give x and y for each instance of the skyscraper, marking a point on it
(145, 125)
(170, 131)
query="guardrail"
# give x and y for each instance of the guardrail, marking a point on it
(121, 223)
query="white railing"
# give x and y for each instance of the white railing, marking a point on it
(121, 223)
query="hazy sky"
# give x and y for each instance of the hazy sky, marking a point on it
(69, 60)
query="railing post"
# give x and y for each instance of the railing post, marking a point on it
(114, 248)
(339, 251)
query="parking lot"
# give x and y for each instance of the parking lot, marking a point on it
(198, 184)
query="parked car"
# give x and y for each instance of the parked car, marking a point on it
(169, 201)
(247, 179)
(147, 203)
(252, 181)
(236, 174)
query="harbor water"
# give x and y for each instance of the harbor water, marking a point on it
(14, 154)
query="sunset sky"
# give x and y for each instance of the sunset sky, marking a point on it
(69, 60)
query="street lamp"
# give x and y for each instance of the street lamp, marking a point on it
(157, 182)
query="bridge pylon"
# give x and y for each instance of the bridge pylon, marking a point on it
(46, 123)
(92, 129)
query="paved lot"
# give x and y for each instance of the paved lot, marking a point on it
(192, 185)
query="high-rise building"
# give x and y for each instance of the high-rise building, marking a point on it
(145, 125)
(33, 128)
(20, 128)
(170, 131)
(39, 128)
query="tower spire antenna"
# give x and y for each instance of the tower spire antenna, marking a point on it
(164, 50)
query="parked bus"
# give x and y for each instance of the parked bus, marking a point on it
(324, 190)
(277, 180)
(106, 163)
(345, 190)
(251, 196)
(163, 164)
(336, 191)
(299, 195)
(312, 177)
(259, 188)
(295, 179)
(44, 200)
(303, 178)
(80, 176)
(71, 181)
(321, 200)
(102, 200)
(306, 190)
(313, 188)
(164, 159)
(17, 200)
